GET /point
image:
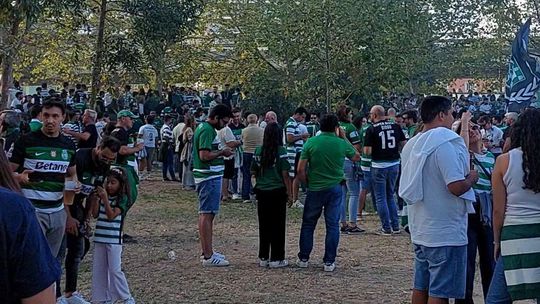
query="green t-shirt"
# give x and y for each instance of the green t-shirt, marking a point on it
(270, 178)
(411, 130)
(351, 132)
(35, 125)
(326, 165)
(205, 138)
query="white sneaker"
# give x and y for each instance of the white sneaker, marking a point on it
(131, 300)
(302, 264)
(236, 197)
(215, 261)
(278, 264)
(216, 254)
(76, 298)
(298, 204)
(329, 267)
(263, 263)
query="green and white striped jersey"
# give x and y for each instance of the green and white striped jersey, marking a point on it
(49, 158)
(488, 162)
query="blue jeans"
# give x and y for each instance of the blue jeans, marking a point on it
(246, 175)
(168, 164)
(328, 200)
(384, 185)
(353, 185)
(498, 292)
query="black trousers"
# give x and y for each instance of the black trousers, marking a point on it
(272, 212)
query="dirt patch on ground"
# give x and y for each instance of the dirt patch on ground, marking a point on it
(370, 268)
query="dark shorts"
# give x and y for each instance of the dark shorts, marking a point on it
(229, 169)
(296, 160)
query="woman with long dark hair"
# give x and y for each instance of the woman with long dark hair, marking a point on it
(273, 189)
(352, 175)
(516, 215)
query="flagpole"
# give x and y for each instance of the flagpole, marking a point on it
(537, 10)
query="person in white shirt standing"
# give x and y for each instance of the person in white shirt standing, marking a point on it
(148, 134)
(491, 135)
(436, 183)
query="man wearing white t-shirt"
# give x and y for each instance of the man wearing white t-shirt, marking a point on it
(148, 133)
(436, 184)
(491, 135)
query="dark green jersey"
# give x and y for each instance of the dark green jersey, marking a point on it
(49, 158)
(270, 178)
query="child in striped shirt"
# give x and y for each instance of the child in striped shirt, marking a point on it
(109, 284)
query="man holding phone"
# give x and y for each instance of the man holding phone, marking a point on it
(43, 163)
(92, 165)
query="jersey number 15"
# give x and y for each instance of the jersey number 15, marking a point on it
(387, 139)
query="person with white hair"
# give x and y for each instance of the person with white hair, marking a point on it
(252, 137)
(89, 136)
(270, 116)
(510, 119)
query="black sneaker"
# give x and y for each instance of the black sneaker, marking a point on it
(345, 229)
(384, 232)
(355, 229)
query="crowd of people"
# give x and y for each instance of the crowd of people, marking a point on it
(458, 180)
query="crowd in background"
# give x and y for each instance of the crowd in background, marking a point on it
(208, 143)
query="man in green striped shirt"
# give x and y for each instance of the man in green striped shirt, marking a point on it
(295, 143)
(208, 167)
(44, 165)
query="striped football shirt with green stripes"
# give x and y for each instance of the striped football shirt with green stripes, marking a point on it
(487, 161)
(520, 251)
(205, 138)
(49, 158)
(365, 160)
(291, 127)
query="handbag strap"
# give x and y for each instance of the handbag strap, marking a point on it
(477, 162)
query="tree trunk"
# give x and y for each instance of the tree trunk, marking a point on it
(98, 59)
(327, 60)
(7, 61)
(7, 80)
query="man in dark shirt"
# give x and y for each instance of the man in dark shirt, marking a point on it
(125, 123)
(28, 270)
(88, 137)
(383, 141)
(92, 165)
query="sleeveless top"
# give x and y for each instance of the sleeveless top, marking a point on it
(520, 234)
(520, 202)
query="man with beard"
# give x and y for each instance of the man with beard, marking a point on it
(44, 166)
(92, 164)
(208, 167)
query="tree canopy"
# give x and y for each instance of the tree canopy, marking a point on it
(281, 53)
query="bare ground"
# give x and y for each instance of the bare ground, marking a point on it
(370, 268)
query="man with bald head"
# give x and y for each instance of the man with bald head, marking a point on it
(252, 137)
(383, 141)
